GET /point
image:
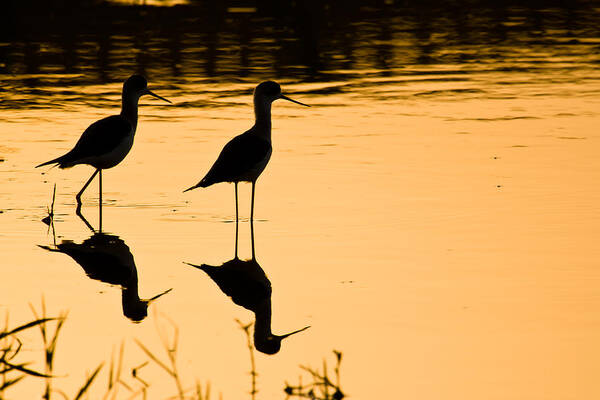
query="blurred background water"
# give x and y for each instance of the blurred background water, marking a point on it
(433, 215)
(363, 47)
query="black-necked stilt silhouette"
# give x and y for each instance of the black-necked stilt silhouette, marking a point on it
(248, 286)
(106, 142)
(108, 259)
(245, 157)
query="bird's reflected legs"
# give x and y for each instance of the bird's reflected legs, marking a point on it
(85, 221)
(252, 204)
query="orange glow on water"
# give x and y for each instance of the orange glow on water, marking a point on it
(435, 222)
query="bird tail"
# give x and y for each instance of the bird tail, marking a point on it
(195, 265)
(60, 161)
(203, 183)
(48, 248)
(55, 161)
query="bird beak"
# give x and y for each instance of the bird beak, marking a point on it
(157, 96)
(290, 334)
(293, 101)
(158, 295)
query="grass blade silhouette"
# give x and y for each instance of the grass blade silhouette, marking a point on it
(89, 381)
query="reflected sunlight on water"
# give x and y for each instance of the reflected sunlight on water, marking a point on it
(433, 215)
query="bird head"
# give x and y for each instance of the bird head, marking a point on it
(137, 86)
(137, 309)
(271, 344)
(269, 91)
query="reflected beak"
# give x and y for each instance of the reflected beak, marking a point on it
(158, 295)
(299, 330)
(157, 96)
(293, 101)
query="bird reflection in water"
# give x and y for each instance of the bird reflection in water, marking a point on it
(248, 286)
(107, 258)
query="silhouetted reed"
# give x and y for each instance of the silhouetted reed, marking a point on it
(14, 372)
(321, 387)
(246, 329)
(171, 351)
(49, 219)
(49, 341)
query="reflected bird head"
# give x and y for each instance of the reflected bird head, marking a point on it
(269, 91)
(272, 343)
(136, 86)
(138, 310)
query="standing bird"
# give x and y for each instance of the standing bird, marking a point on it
(245, 157)
(106, 142)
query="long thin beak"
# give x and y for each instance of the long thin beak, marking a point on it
(157, 96)
(290, 334)
(293, 101)
(158, 295)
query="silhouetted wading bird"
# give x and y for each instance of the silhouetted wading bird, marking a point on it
(248, 286)
(245, 157)
(106, 142)
(108, 259)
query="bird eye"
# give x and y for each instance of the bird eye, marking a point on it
(273, 89)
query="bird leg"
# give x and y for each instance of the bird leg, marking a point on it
(78, 196)
(252, 238)
(236, 219)
(236, 201)
(252, 204)
(100, 199)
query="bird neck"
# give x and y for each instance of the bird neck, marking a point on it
(129, 109)
(129, 294)
(262, 113)
(134, 308)
(262, 324)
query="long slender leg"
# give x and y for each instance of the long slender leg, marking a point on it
(236, 201)
(252, 238)
(252, 205)
(78, 196)
(100, 200)
(236, 239)
(236, 220)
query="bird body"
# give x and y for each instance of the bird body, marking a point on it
(243, 159)
(103, 145)
(246, 156)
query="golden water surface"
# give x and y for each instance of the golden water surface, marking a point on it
(435, 221)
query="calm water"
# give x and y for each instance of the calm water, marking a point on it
(433, 216)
